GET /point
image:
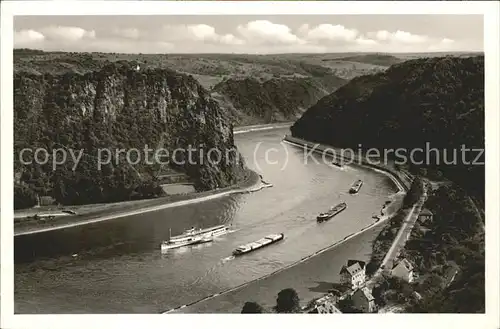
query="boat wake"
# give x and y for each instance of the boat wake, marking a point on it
(227, 259)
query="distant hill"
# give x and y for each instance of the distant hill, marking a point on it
(252, 89)
(439, 101)
(278, 99)
(375, 59)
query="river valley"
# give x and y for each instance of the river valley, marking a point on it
(116, 266)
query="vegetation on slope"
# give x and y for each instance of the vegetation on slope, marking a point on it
(276, 99)
(419, 104)
(287, 301)
(266, 79)
(453, 240)
(439, 101)
(375, 59)
(117, 108)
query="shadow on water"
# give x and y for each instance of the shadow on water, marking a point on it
(324, 287)
(133, 234)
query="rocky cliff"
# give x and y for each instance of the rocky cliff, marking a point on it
(113, 108)
(439, 101)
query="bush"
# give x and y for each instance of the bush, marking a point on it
(287, 301)
(252, 307)
(24, 197)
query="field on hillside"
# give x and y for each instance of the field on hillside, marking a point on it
(208, 68)
(253, 89)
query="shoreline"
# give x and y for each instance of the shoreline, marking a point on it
(254, 183)
(260, 127)
(320, 149)
(402, 188)
(109, 211)
(378, 222)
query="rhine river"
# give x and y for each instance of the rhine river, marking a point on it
(118, 267)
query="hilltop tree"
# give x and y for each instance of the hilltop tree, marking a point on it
(287, 301)
(252, 307)
(415, 192)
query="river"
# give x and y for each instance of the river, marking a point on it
(116, 266)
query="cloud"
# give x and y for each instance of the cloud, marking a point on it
(257, 36)
(197, 32)
(328, 32)
(27, 37)
(266, 32)
(447, 41)
(398, 37)
(362, 41)
(129, 33)
(67, 33)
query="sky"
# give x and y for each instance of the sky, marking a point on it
(251, 34)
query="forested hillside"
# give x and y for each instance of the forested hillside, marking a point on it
(115, 108)
(429, 103)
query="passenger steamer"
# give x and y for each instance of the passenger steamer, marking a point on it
(194, 236)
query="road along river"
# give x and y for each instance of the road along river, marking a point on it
(121, 270)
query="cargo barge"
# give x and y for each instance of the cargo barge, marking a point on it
(332, 212)
(249, 247)
(356, 186)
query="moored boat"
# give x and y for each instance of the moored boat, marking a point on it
(249, 247)
(356, 186)
(332, 212)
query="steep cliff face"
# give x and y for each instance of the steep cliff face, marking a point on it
(278, 99)
(117, 108)
(439, 101)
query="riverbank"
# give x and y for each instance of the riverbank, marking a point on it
(47, 218)
(389, 210)
(400, 179)
(378, 222)
(100, 212)
(268, 126)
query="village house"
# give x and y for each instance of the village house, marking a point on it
(353, 274)
(403, 270)
(425, 216)
(325, 305)
(45, 200)
(363, 300)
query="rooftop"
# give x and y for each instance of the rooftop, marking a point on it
(366, 292)
(426, 212)
(405, 263)
(353, 267)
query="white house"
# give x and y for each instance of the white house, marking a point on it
(403, 270)
(353, 274)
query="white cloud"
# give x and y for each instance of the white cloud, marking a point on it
(67, 33)
(129, 33)
(398, 37)
(328, 32)
(27, 37)
(197, 32)
(447, 41)
(258, 36)
(266, 32)
(366, 42)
